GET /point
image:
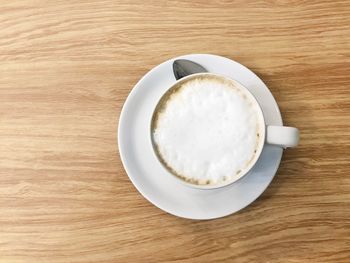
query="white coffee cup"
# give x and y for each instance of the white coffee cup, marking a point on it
(281, 136)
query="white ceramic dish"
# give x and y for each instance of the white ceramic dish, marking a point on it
(152, 179)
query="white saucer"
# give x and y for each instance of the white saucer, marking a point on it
(149, 176)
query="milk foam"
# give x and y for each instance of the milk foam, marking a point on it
(206, 131)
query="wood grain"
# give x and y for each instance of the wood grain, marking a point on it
(66, 69)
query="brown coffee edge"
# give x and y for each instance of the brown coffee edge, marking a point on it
(257, 146)
(162, 105)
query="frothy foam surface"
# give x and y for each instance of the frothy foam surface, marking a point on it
(206, 131)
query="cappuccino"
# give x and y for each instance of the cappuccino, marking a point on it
(207, 130)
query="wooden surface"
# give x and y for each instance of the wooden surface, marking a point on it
(66, 68)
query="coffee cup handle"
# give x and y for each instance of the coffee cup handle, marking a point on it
(282, 136)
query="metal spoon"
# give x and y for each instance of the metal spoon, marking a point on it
(184, 67)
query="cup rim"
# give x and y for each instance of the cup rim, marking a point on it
(262, 131)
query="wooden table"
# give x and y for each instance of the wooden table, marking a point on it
(66, 69)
